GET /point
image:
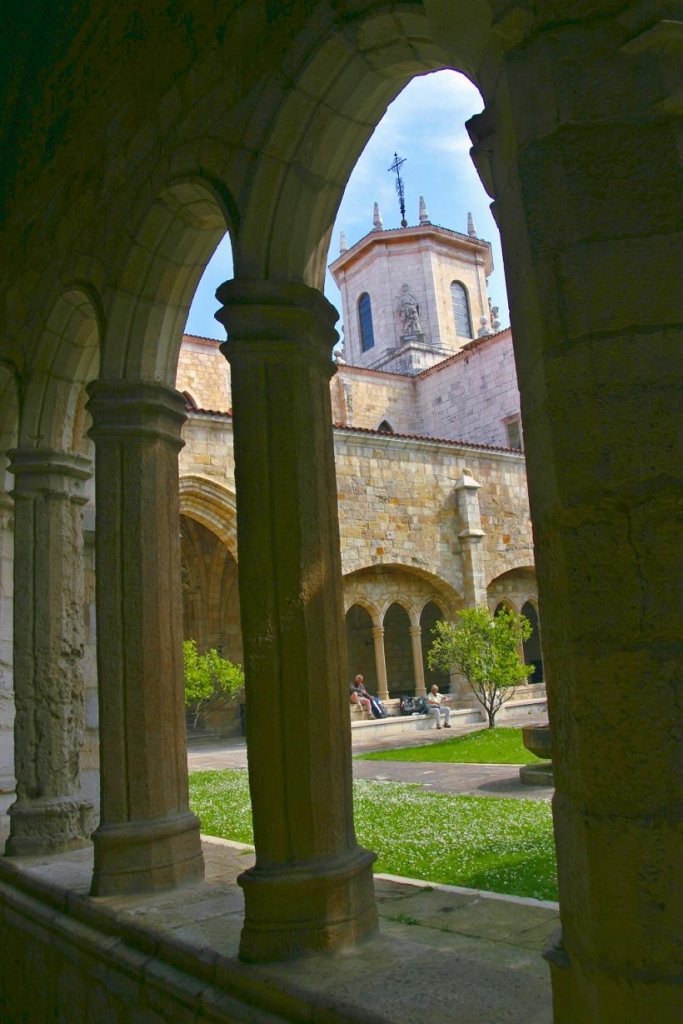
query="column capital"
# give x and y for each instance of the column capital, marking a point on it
(466, 482)
(415, 630)
(278, 319)
(47, 471)
(378, 630)
(126, 410)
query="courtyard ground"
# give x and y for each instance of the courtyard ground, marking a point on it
(483, 949)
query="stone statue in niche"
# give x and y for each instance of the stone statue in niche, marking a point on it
(409, 311)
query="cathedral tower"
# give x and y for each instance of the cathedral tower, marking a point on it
(412, 296)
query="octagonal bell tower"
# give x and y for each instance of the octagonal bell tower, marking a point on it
(411, 296)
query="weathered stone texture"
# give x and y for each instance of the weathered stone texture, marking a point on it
(471, 395)
(203, 373)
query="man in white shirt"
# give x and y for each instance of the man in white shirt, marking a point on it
(434, 699)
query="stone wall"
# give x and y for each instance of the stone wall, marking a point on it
(471, 395)
(397, 505)
(366, 398)
(204, 373)
(208, 448)
(467, 397)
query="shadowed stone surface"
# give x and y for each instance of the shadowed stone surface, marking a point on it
(483, 954)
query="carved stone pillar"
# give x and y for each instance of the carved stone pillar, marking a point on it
(147, 837)
(380, 662)
(6, 588)
(49, 814)
(311, 887)
(471, 536)
(418, 663)
(588, 199)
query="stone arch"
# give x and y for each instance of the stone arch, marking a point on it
(361, 619)
(171, 247)
(67, 359)
(370, 583)
(211, 610)
(403, 602)
(518, 562)
(211, 504)
(398, 649)
(211, 613)
(512, 587)
(533, 651)
(343, 88)
(430, 613)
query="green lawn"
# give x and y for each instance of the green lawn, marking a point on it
(486, 843)
(489, 746)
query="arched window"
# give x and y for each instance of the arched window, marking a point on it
(367, 337)
(533, 654)
(461, 310)
(386, 427)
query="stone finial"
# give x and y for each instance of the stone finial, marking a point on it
(471, 230)
(377, 222)
(342, 243)
(424, 216)
(484, 329)
(495, 319)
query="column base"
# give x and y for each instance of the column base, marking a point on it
(317, 907)
(609, 992)
(141, 856)
(50, 825)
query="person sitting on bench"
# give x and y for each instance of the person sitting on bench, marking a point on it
(434, 699)
(359, 695)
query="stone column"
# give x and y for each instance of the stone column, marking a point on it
(6, 588)
(7, 776)
(418, 663)
(380, 662)
(49, 814)
(474, 581)
(311, 888)
(581, 144)
(147, 837)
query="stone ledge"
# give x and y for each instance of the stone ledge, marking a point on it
(173, 956)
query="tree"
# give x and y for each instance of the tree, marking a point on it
(206, 676)
(485, 648)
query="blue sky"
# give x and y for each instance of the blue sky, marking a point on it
(426, 125)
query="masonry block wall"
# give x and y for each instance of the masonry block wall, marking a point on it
(471, 395)
(395, 496)
(367, 398)
(203, 373)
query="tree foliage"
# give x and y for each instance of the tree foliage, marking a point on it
(207, 676)
(485, 648)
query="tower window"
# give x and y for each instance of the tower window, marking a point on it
(514, 432)
(461, 310)
(367, 337)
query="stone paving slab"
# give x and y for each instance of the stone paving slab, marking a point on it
(440, 954)
(501, 780)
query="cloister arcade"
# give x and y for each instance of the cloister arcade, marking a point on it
(137, 138)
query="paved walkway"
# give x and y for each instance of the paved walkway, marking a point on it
(442, 953)
(483, 949)
(472, 779)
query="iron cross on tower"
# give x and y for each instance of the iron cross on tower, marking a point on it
(400, 191)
